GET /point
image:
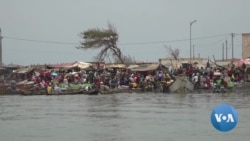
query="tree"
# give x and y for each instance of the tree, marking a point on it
(104, 39)
(174, 53)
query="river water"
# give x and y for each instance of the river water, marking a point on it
(120, 117)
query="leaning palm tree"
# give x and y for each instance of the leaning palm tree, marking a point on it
(173, 52)
(104, 39)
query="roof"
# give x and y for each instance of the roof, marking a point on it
(115, 66)
(132, 66)
(147, 67)
(82, 65)
(23, 70)
(11, 66)
(61, 65)
(79, 64)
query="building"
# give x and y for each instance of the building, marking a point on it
(183, 62)
(196, 62)
(245, 45)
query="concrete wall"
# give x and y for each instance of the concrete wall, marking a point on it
(245, 45)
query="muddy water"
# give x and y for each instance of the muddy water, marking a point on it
(119, 117)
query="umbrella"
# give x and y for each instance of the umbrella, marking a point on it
(54, 74)
(217, 73)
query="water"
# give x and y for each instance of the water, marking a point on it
(119, 117)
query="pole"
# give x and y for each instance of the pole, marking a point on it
(1, 61)
(190, 44)
(193, 52)
(232, 46)
(214, 61)
(226, 49)
(223, 51)
(191, 39)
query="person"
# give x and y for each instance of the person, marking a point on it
(57, 89)
(207, 82)
(91, 76)
(230, 84)
(103, 87)
(194, 78)
(160, 76)
(76, 78)
(65, 81)
(113, 82)
(218, 82)
(190, 72)
(49, 89)
(13, 84)
(97, 82)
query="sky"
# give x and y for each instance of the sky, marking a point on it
(47, 31)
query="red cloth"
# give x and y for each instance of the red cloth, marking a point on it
(190, 70)
(208, 83)
(98, 83)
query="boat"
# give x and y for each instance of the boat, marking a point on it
(72, 89)
(239, 87)
(5, 89)
(44, 92)
(117, 90)
(91, 92)
(181, 85)
(33, 92)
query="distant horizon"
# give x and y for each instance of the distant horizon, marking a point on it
(211, 59)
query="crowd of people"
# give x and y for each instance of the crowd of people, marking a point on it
(121, 77)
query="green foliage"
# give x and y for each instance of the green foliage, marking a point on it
(97, 33)
(102, 38)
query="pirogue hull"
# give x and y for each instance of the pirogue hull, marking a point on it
(43, 92)
(181, 85)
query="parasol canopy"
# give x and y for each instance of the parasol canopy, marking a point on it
(54, 74)
(217, 73)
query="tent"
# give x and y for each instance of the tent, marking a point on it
(132, 66)
(240, 62)
(82, 65)
(149, 67)
(115, 66)
(77, 64)
(61, 66)
(23, 70)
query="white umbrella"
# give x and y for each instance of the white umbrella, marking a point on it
(54, 74)
(217, 73)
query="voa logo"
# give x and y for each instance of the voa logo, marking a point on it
(224, 117)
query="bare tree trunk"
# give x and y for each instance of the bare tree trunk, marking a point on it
(117, 52)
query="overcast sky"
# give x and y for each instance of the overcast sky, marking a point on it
(144, 27)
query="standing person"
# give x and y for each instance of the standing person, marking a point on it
(97, 82)
(208, 82)
(65, 80)
(160, 75)
(91, 76)
(76, 78)
(190, 72)
(230, 84)
(49, 89)
(57, 89)
(13, 84)
(195, 80)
